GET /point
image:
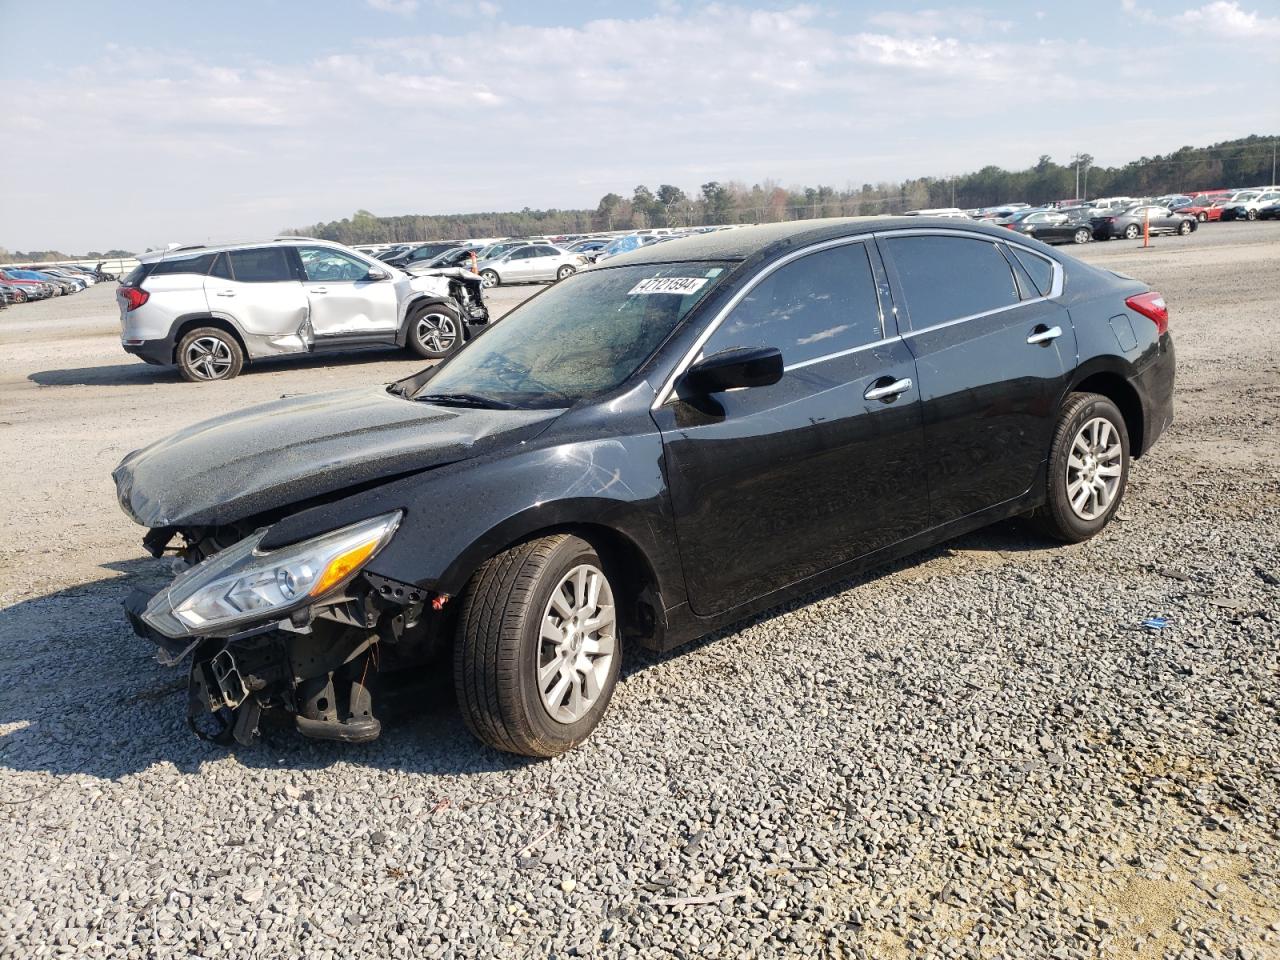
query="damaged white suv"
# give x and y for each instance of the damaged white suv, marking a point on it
(209, 309)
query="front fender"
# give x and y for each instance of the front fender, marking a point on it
(459, 515)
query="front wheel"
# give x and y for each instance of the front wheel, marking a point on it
(489, 278)
(1083, 235)
(1132, 232)
(209, 353)
(1202, 217)
(1185, 227)
(435, 331)
(1088, 469)
(538, 649)
(1251, 215)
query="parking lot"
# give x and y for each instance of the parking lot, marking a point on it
(976, 752)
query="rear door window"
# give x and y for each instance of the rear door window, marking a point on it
(820, 304)
(262, 265)
(949, 278)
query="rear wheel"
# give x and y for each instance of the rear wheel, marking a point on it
(1088, 469)
(565, 271)
(1083, 235)
(1251, 215)
(209, 353)
(435, 331)
(489, 278)
(538, 647)
(1202, 216)
(1132, 231)
(1185, 227)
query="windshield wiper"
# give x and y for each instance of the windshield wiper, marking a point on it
(466, 400)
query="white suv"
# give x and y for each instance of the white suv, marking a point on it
(210, 309)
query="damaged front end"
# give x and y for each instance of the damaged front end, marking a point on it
(298, 628)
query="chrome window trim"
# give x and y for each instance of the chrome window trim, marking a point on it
(843, 353)
(668, 386)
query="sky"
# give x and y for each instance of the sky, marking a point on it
(159, 121)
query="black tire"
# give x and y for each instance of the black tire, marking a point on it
(566, 270)
(1251, 215)
(434, 331)
(1083, 235)
(209, 353)
(1202, 217)
(490, 278)
(1132, 232)
(1057, 518)
(1185, 227)
(498, 647)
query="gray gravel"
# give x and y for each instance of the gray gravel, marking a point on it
(977, 753)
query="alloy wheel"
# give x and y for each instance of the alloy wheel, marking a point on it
(436, 331)
(577, 643)
(1082, 236)
(1094, 468)
(209, 358)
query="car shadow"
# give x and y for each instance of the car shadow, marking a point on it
(135, 374)
(93, 700)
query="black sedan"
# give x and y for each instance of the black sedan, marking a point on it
(642, 454)
(1051, 226)
(1131, 222)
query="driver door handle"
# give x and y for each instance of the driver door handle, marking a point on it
(1043, 334)
(889, 390)
(226, 293)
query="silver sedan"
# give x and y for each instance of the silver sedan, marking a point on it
(530, 264)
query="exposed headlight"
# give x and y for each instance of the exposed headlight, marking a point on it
(242, 584)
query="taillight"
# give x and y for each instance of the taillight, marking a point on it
(1152, 306)
(134, 296)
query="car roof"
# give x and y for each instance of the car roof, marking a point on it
(741, 243)
(200, 249)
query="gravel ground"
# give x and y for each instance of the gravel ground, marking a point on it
(977, 753)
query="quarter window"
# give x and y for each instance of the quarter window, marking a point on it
(822, 303)
(263, 265)
(947, 278)
(1041, 270)
(198, 264)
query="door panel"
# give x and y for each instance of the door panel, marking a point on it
(989, 397)
(771, 485)
(258, 290)
(343, 302)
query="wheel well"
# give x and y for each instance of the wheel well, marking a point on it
(188, 325)
(643, 614)
(1116, 389)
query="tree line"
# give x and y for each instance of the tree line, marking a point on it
(1240, 162)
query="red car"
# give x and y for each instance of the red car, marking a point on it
(1206, 207)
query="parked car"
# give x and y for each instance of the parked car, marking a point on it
(59, 285)
(35, 289)
(421, 253)
(1130, 223)
(453, 257)
(1269, 210)
(12, 293)
(648, 452)
(533, 262)
(495, 250)
(1204, 208)
(1052, 226)
(211, 309)
(1247, 209)
(589, 248)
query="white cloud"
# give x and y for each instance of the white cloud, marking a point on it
(969, 21)
(1229, 21)
(402, 8)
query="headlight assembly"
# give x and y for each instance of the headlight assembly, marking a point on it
(241, 584)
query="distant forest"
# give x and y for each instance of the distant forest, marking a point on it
(1244, 162)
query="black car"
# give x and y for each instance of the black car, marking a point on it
(419, 253)
(642, 454)
(1130, 223)
(1051, 226)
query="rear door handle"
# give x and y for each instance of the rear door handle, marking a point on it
(1043, 334)
(889, 390)
(226, 293)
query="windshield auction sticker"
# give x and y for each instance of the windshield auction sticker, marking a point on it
(681, 286)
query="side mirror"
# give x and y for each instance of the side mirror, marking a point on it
(733, 370)
(375, 273)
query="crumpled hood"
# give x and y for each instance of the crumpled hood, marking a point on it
(290, 450)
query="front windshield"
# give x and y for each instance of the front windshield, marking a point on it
(582, 337)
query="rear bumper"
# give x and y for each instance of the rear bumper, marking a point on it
(159, 352)
(1154, 384)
